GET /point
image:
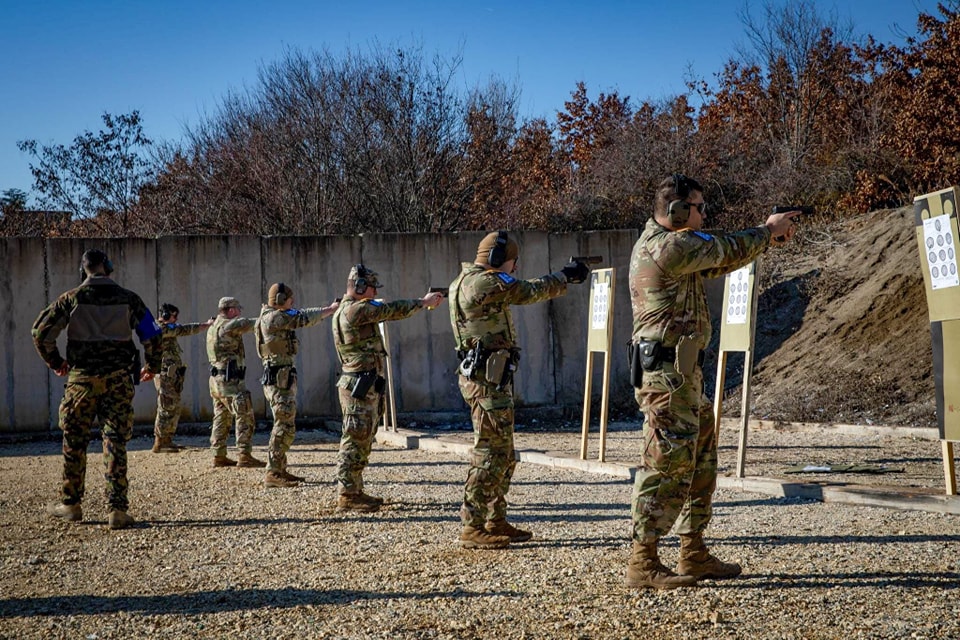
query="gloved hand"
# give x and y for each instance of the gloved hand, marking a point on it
(576, 272)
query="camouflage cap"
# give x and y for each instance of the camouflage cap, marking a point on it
(512, 249)
(227, 302)
(369, 276)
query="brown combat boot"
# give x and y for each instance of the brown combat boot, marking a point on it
(165, 445)
(476, 538)
(504, 528)
(286, 475)
(224, 461)
(68, 512)
(276, 480)
(358, 502)
(696, 560)
(247, 460)
(644, 569)
(119, 519)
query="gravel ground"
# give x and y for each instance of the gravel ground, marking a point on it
(217, 555)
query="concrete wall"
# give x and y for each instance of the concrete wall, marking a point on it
(194, 272)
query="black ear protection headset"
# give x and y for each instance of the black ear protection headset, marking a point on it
(498, 253)
(360, 284)
(679, 210)
(167, 310)
(282, 293)
(93, 258)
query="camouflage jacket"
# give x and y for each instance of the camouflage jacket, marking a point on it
(277, 342)
(355, 333)
(667, 269)
(480, 300)
(172, 353)
(100, 317)
(225, 340)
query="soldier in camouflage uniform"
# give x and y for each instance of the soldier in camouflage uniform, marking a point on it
(169, 381)
(231, 399)
(486, 342)
(361, 386)
(671, 327)
(277, 345)
(100, 318)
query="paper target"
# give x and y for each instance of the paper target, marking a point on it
(941, 258)
(738, 296)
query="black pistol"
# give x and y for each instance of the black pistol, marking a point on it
(587, 259)
(442, 290)
(804, 209)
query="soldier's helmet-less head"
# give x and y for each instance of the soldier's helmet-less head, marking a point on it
(497, 248)
(279, 294)
(94, 258)
(361, 278)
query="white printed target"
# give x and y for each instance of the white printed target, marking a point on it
(601, 305)
(941, 252)
(738, 296)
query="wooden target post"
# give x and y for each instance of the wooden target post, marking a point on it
(737, 334)
(935, 219)
(599, 339)
(390, 414)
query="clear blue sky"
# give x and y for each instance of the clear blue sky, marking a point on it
(64, 62)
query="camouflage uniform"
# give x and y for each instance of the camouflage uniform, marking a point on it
(480, 300)
(277, 345)
(100, 318)
(231, 399)
(169, 380)
(678, 471)
(360, 349)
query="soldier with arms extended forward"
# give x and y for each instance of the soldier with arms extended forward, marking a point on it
(277, 345)
(100, 317)
(671, 327)
(361, 386)
(480, 300)
(169, 380)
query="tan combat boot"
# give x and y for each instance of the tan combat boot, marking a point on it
(504, 528)
(223, 461)
(696, 560)
(644, 569)
(247, 460)
(276, 480)
(477, 538)
(286, 475)
(68, 512)
(164, 445)
(119, 519)
(358, 502)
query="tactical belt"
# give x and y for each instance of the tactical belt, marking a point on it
(240, 371)
(669, 354)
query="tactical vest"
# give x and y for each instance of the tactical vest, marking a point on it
(359, 347)
(276, 344)
(489, 325)
(223, 346)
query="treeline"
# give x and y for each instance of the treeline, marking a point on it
(383, 140)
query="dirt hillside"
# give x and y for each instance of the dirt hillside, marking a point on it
(843, 334)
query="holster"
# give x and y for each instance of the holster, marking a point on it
(364, 381)
(135, 366)
(233, 371)
(281, 376)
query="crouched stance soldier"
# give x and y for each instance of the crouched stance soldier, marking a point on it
(361, 386)
(480, 300)
(169, 381)
(231, 399)
(100, 318)
(277, 345)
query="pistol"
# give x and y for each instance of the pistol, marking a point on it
(444, 290)
(587, 259)
(805, 210)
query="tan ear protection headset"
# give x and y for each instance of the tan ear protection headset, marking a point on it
(679, 210)
(498, 253)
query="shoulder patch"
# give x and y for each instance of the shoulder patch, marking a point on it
(292, 312)
(506, 278)
(703, 236)
(376, 303)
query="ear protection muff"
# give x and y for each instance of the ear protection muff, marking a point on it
(360, 284)
(167, 311)
(282, 293)
(498, 253)
(679, 210)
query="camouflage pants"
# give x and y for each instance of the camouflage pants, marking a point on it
(169, 388)
(361, 418)
(85, 397)
(678, 469)
(283, 404)
(231, 403)
(492, 462)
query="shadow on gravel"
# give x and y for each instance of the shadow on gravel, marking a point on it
(248, 522)
(940, 580)
(776, 540)
(211, 601)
